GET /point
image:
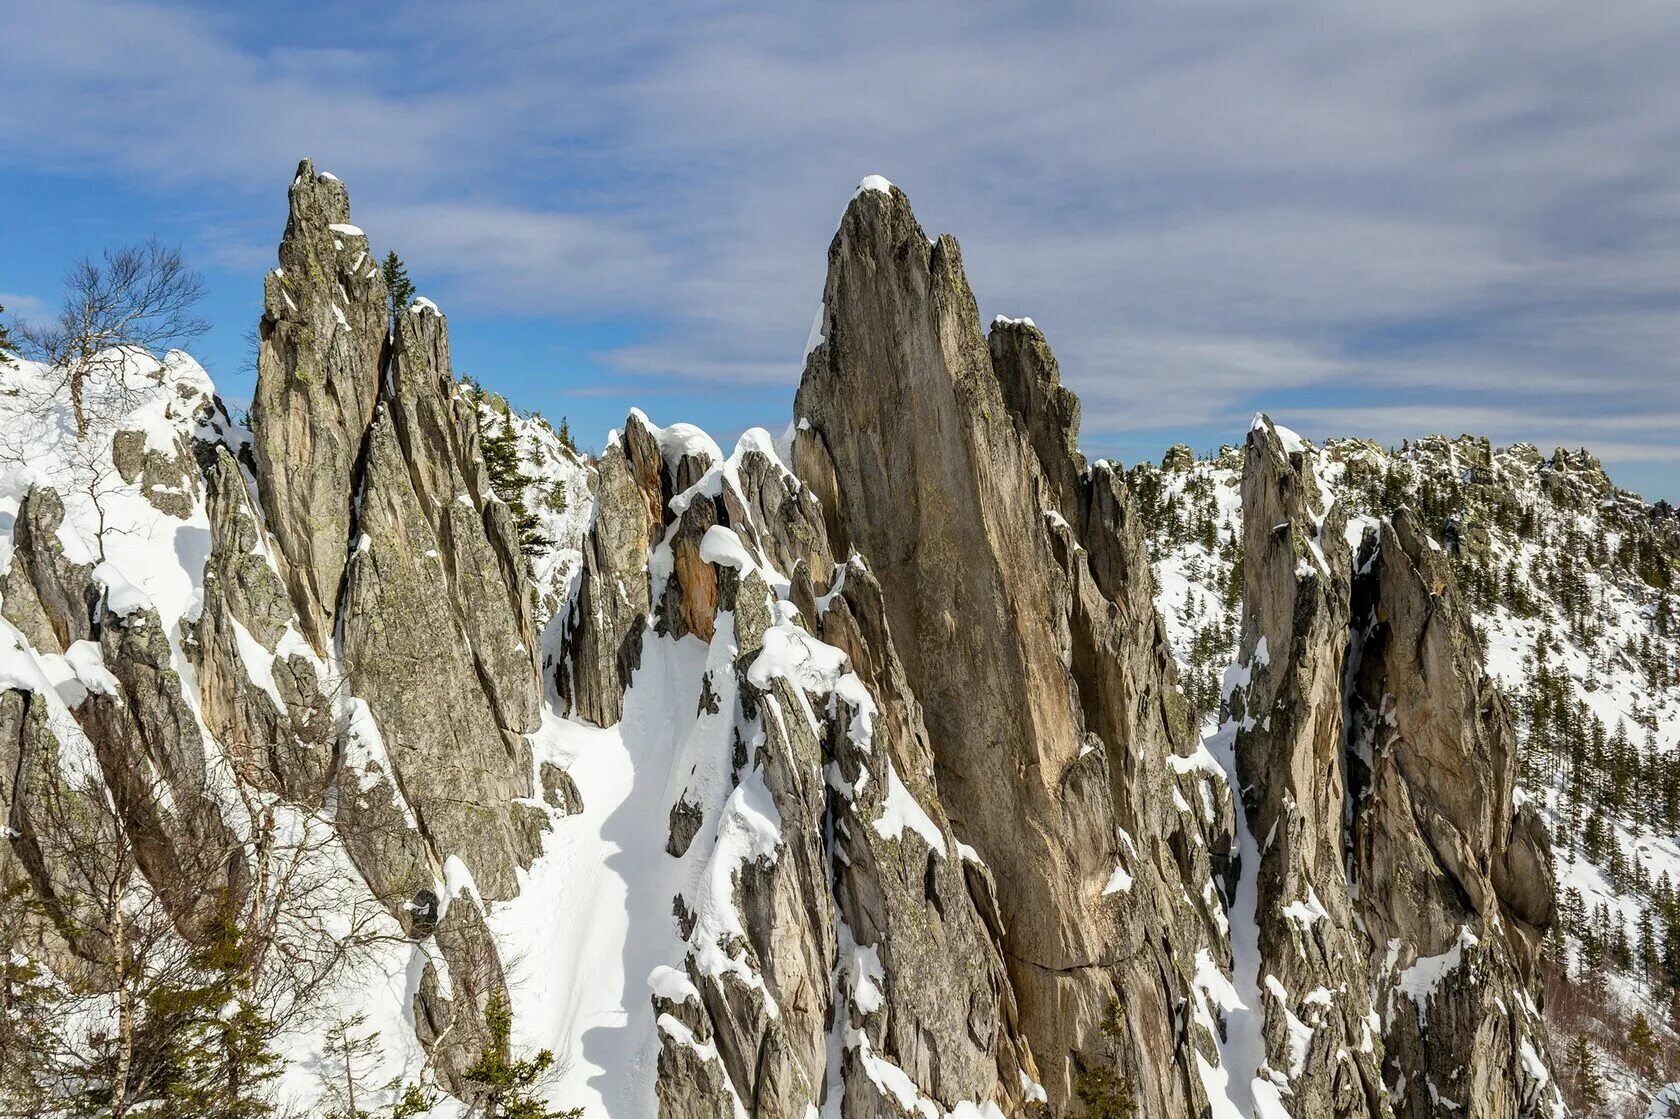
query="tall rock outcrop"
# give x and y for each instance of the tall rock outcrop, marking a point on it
(44, 594)
(1297, 583)
(406, 577)
(1401, 892)
(906, 812)
(610, 614)
(322, 346)
(1048, 696)
(434, 638)
(1454, 877)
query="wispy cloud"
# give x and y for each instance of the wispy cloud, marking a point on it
(1384, 212)
(23, 308)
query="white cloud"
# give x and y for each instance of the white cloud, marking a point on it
(23, 308)
(1207, 206)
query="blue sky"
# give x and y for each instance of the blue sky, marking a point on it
(1384, 220)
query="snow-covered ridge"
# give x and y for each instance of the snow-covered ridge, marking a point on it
(1572, 583)
(591, 949)
(134, 510)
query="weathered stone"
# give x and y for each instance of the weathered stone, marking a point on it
(62, 838)
(613, 603)
(953, 1019)
(321, 353)
(1047, 413)
(168, 482)
(559, 790)
(936, 473)
(1447, 866)
(153, 759)
(48, 598)
(281, 740)
(484, 572)
(1179, 458)
(686, 819)
(407, 653)
(1297, 582)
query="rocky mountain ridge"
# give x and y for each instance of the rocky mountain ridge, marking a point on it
(848, 773)
(1568, 583)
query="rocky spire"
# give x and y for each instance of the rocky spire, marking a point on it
(322, 344)
(1297, 581)
(1051, 714)
(405, 573)
(431, 641)
(1401, 892)
(1450, 870)
(610, 613)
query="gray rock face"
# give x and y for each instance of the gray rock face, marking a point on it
(51, 823)
(169, 482)
(484, 572)
(152, 757)
(944, 835)
(1048, 414)
(613, 602)
(44, 595)
(1179, 457)
(1048, 697)
(430, 638)
(322, 350)
(1397, 878)
(1297, 585)
(281, 741)
(860, 943)
(955, 1030)
(403, 568)
(1465, 875)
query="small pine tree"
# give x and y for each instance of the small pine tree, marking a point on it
(507, 1089)
(565, 435)
(397, 284)
(206, 1042)
(1643, 1047)
(412, 1101)
(1584, 1075)
(350, 1050)
(501, 460)
(1105, 1093)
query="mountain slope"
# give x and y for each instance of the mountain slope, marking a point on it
(876, 770)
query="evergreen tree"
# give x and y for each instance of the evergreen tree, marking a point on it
(8, 350)
(200, 1044)
(222, 1060)
(1584, 1075)
(1643, 1047)
(501, 460)
(565, 435)
(1234, 582)
(1103, 1091)
(397, 284)
(508, 1089)
(350, 1051)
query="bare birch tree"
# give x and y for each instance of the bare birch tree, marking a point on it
(139, 297)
